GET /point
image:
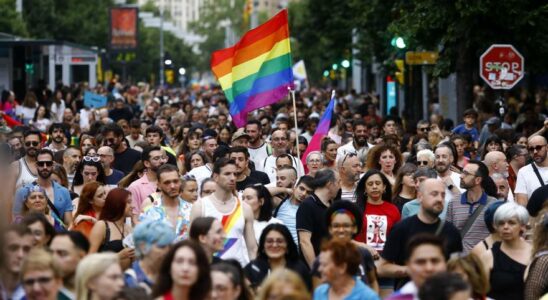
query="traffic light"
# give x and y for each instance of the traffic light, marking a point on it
(29, 68)
(170, 76)
(398, 42)
(400, 71)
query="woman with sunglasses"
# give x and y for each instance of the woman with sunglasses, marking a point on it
(88, 170)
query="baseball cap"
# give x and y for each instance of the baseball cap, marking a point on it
(239, 134)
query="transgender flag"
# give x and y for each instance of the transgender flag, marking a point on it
(321, 131)
(255, 72)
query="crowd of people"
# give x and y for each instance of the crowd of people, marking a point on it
(159, 196)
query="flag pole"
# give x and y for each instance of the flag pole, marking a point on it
(292, 92)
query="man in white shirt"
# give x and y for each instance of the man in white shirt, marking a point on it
(528, 179)
(258, 149)
(359, 140)
(443, 161)
(280, 140)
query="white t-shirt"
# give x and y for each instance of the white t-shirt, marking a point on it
(259, 226)
(258, 155)
(201, 173)
(528, 182)
(268, 166)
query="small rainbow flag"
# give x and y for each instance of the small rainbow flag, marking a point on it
(321, 131)
(255, 72)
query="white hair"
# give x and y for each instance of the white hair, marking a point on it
(428, 153)
(511, 210)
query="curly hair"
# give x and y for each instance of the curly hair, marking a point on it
(374, 157)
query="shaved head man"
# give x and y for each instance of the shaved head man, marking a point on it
(534, 175)
(496, 163)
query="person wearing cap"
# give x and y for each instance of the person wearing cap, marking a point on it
(469, 126)
(240, 139)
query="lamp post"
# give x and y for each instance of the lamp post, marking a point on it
(161, 44)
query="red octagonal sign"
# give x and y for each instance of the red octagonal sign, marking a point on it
(501, 66)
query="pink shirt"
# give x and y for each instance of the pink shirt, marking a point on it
(140, 189)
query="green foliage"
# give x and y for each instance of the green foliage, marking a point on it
(213, 13)
(10, 20)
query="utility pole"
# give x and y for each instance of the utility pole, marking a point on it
(161, 75)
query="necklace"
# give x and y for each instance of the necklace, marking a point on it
(223, 201)
(119, 230)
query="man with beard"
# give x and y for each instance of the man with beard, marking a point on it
(168, 206)
(57, 135)
(467, 212)
(68, 248)
(57, 195)
(496, 164)
(112, 176)
(259, 150)
(533, 175)
(359, 140)
(444, 157)
(16, 146)
(287, 210)
(240, 243)
(349, 171)
(24, 169)
(152, 157)
(68, 117)
(244, 175)
(124, 157)
(71, 157)
(430, 195)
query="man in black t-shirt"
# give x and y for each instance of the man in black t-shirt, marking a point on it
(311, 226)
(431, 197)
(124, 157)
(244, 175)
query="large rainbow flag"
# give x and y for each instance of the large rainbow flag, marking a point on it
(255, 72)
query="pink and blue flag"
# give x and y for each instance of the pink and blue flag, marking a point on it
(321, 131)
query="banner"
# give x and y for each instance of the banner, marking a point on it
(123, 28)
(92, 100)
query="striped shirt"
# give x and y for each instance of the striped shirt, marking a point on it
(459, 210)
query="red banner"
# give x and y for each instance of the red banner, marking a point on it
(123, 28)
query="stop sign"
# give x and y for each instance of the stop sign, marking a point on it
(501, 66)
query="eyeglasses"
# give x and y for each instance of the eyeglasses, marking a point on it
(40, 280)
(350, 154)
(275, 241)
(33, 143)
(535, 148)
(422, 162)
(92, 158)
(45, 163)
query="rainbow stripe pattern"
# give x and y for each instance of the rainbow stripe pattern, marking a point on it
(321, 131)
(255, 72)
(228, 222)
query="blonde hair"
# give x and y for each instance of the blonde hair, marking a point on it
(284, 277)
(39, 259)
(475, 271)
(90, 267)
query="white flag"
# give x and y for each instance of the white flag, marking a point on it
(299, 71)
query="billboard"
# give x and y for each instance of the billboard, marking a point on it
(123, 28)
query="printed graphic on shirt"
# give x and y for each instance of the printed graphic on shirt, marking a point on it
(376, 231)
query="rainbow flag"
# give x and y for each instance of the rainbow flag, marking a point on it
(255, 72)
(321, 131)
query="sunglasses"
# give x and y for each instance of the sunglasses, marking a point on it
(422, 162)
(536, 148)
(92, 158)
(189, 177)
(351, 154)
(45, 163)
(33, 143)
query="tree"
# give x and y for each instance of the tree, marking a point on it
(212, 26)
(461, 30)
(10, 21)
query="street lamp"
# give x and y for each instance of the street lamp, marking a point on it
(345, 63)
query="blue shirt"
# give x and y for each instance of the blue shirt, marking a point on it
(287, 213)
(62, 200)
(359, 292)
(461, 129)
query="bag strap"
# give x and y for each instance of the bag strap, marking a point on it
(50, 205)
(538, 174)
(471, 220)
(439, 228)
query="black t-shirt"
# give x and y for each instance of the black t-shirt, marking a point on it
(311, 218)
(126, 160)
(253, 178)
(396, 244)
(114, 178)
